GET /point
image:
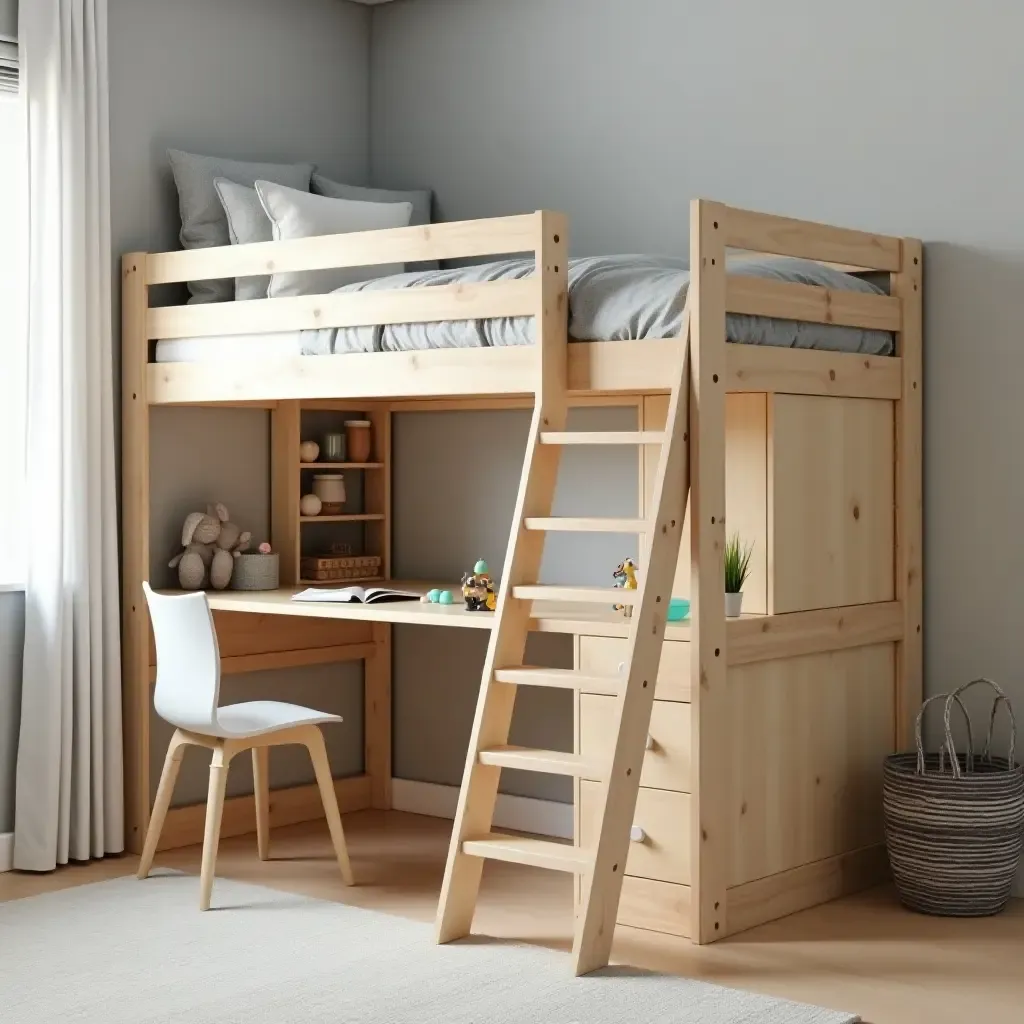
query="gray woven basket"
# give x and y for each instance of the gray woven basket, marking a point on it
(954, 824)
(256, 572)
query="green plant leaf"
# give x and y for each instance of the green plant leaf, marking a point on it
(737, 563)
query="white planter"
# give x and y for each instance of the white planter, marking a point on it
(733, 605)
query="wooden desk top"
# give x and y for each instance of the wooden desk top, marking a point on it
(548, 616)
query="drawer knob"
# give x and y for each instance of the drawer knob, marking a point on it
(637, 834)
(649, 742)
(622, 667)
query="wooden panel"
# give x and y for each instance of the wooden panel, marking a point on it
(908, 285)
(799, 371)
(746, 488)
(606, 656)
(184, 825)
(779, 895)
(785, 300)
(655, 906)
(664, 854)
(241, 634)
(763, 232)
(491, 237)
(666, 763)
(285, 488)
(830, 464)
(825, 629)
(345, 309)
(808, 736)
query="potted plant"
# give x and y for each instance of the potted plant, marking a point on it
(737, 569)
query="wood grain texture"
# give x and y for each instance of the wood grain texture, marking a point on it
(664, 816)
(785, 236)
(785, 300)
(908, 286)
(605, 656)
(656, 906)
(807, 739)
(775, 896)
(135, 639)
(377, 704)
(710, 832)
(285, 437)
(666, 763)
(830, 464)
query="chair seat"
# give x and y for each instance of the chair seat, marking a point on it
(258, 717)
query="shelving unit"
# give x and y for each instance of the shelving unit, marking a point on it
(364, 525)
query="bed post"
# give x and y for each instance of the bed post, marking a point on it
(710, 838)
(135, 546)
(906, 284)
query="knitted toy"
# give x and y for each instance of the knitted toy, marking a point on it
(211, 543)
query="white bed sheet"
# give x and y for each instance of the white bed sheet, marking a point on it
(230, 347)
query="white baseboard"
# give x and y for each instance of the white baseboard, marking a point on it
(522, 813)
(6, 851)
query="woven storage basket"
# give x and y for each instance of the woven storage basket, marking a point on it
(954, 824)
(256, 572)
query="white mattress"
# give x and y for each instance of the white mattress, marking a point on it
(230, 347)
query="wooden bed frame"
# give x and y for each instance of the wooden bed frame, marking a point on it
(795, 618)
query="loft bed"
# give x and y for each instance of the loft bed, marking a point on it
(838, 538)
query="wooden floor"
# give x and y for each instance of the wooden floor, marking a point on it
(864, 954)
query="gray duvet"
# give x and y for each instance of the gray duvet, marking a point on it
(611, 298)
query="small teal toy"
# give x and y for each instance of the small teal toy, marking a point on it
(445, 597)
(433, 596)
(478, 589)
(678, 609)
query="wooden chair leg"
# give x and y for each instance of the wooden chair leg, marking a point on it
(169, 776)
(214, 809)
(261, 790)
(318, 754)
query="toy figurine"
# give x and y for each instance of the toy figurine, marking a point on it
(625, 579)
(478, 589)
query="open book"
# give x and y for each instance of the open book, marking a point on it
(355, 595)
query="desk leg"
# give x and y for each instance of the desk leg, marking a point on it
(377, 717)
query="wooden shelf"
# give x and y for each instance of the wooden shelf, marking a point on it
(342, 583)
(341, 465)
(361, 517)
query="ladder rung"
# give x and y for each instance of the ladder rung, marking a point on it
(602, 437)
(560, 678)
(571, 524)
(589, 595)
(554, 762)
(538, 853)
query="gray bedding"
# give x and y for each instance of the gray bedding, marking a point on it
(611, 298)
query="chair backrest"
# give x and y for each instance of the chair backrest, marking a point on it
(187, 660)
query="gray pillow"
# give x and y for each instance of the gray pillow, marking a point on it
(297, 214)
(203, 222)
(247, 222)
(421, 199)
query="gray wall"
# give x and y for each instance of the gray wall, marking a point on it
(12, 636)
(250, 79)
(892, 117)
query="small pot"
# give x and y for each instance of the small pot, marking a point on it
(733, 605)
(358, 440)
(330, 489)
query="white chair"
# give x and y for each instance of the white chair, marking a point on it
(187, 696)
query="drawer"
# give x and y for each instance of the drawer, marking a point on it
(602, 656)
(664, 851)
(666, 762)
(655, 906)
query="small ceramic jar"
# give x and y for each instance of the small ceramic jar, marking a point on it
(334, 447)
(358, 440)
(330, 489)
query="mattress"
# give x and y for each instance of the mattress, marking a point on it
(611, 298)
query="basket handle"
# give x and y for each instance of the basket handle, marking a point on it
(1001, 698)
(942, 749)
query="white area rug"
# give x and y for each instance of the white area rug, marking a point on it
(130, 952)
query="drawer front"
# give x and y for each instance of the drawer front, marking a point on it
(655, 906)
(666, 762)
(664, 851)
(602, 656)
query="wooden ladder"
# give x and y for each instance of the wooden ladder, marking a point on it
(473, 841)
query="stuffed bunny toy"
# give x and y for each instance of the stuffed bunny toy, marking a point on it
(211, 543)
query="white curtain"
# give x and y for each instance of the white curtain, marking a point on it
(69, 789)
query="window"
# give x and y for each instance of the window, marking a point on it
(13, 296)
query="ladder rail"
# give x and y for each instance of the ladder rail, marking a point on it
(602, 886)
(506, 646)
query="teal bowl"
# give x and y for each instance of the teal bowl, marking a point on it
(678, 609)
